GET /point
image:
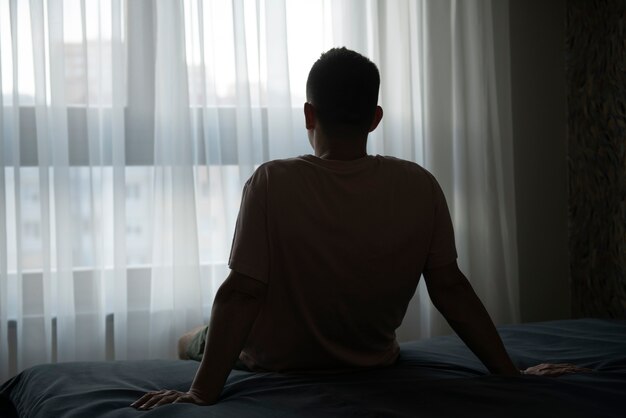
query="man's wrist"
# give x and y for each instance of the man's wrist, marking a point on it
(205, 396)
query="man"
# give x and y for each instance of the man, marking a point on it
(328, 251)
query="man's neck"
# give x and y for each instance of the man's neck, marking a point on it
(340, 155)
(341, 148)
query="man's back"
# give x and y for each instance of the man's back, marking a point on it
(328, 250)
(341, 246)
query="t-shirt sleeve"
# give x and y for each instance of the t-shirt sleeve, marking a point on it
(249, 253)
(442, 250)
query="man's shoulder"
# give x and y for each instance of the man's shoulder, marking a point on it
(388, 159)
(277, 166)
(273, 170)
(405, 165)
(304, 160)
(390, 164)
(281, 163)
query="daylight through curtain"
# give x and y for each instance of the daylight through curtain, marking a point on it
(127, 129)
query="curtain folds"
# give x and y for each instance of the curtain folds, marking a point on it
(127, 129)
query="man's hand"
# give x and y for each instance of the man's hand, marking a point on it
(235, 309)
(554, 370)
(163, 397)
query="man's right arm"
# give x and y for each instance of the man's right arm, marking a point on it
(454, 297)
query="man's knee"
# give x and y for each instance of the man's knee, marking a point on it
(183, 342)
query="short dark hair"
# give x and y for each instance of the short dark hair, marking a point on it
(343, 87)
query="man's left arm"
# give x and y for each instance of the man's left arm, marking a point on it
(453, 296)
(235, 308)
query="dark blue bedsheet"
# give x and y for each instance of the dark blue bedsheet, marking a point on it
(437, 377)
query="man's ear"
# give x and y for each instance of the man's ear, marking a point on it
(378, 115)
(309, 116)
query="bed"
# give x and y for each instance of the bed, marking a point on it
(437, 377)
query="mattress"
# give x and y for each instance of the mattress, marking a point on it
(437, 377)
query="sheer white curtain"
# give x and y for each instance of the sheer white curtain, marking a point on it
(128, 128)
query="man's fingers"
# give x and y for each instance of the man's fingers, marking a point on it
(145, 398)
(547, 369)
(155, 399)
(168, 399)
(148, 404)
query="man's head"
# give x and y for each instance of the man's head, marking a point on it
(343, 88)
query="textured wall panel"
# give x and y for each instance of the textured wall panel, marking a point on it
(596, 82)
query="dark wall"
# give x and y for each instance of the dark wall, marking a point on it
(539, 108)
(596, 88)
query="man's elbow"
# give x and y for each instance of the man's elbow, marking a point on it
(447, 287)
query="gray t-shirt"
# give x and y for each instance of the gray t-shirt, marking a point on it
(341, 246)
